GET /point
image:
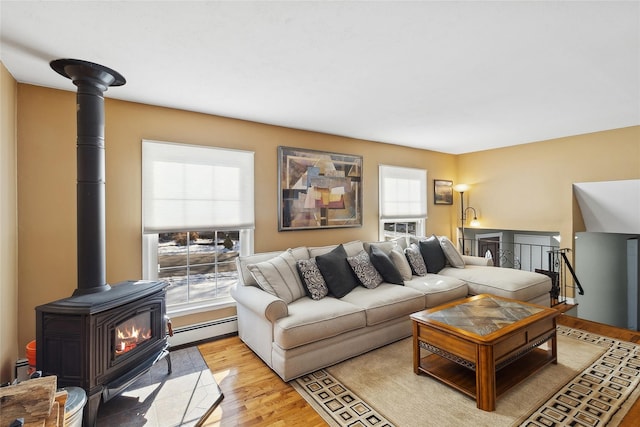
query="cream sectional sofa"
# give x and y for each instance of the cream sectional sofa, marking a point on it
(296, 331)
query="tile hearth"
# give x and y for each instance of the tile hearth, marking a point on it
(160, 400)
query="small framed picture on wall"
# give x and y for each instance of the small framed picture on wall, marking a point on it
(442, 192)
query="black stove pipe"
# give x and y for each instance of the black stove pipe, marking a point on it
(92, 80)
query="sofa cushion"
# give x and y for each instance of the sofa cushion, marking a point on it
(476, 260)
(301, 252)
(385, 266)
(386, 246)
(310, 321)
(413, 255)
(401, 242)
(245, 260)
(315, 251)
(386, 302)
(451, 252)
(401, 263)
(438, 289)
(394, 249)
(503, 282)
(279, 276)
(364, 270)
(312, 279)
(432, 253)
(416, 239)
(337, 272)
(351, 248)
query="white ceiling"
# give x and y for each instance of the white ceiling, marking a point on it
(448, 76)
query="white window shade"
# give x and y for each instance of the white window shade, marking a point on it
(403, 193)
(189, 187)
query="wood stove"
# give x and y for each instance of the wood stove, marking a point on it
(103, 342)
(103, 337)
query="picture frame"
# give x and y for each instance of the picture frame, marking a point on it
(318, 189)
(442, 192)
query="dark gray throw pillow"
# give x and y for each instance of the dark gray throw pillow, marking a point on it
(433, 255)
(337, 272)
(385, 266)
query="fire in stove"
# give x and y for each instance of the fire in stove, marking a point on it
(132, 333)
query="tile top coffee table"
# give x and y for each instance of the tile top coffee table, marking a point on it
(484, 345)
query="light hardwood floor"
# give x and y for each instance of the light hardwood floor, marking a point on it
(255, 396)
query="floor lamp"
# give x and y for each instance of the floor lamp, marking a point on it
(461, 188)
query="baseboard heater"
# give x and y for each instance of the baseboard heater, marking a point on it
(203, 331)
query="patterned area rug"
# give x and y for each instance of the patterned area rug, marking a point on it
(595, 396)
(598, 392)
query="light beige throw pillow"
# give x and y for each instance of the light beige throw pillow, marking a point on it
(279, 276)
(402, 264)
(451, 252)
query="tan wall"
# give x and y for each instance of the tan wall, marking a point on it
(47, 205)
(529, 187)
(8, 226)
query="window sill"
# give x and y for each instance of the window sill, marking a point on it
(202, 307)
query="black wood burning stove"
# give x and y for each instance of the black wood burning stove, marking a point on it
(103, 337)
(103, 342)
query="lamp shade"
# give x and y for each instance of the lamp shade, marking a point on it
(461, 188)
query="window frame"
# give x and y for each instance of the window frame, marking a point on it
(411, 215)
(387, 235)
(188, 159)
(150, 270)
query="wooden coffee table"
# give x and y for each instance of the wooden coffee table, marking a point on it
(484, 345)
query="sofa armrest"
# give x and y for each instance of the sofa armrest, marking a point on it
(477, 260)
(260, 302)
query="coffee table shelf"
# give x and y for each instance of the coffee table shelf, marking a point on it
(464, 379)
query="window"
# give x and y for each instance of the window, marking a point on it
(398, 229)
(198, 217)
(403, 201)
